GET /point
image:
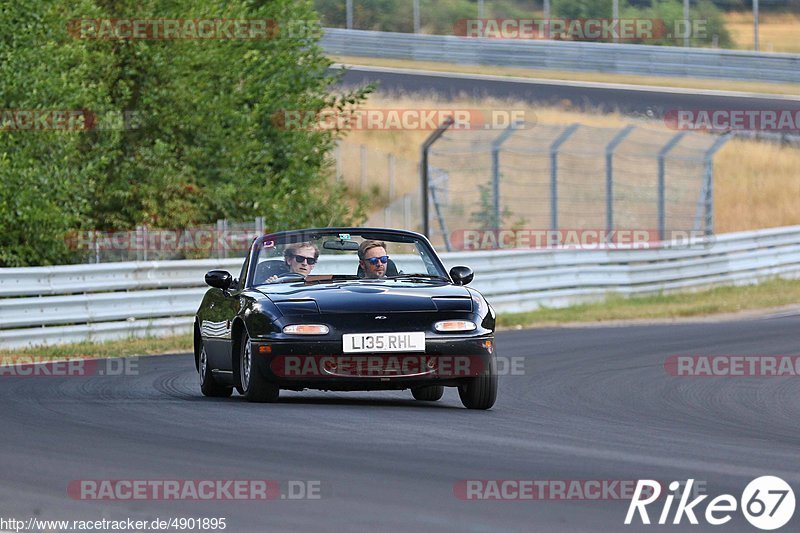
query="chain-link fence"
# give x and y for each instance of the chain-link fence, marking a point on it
(563, 178)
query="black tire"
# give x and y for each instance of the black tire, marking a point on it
(208, 386)
(431, 393)
(254, 387)
(480, 392)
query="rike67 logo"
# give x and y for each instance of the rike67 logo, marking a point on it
(767, 503)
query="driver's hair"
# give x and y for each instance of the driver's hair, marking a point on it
(291, 250)
(367, 245)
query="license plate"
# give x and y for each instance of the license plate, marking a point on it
(384, 342)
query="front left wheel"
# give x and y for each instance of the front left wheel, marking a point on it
(254, 387)
(208, 386)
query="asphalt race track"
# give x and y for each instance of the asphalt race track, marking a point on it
(652, 102)
(593, 403)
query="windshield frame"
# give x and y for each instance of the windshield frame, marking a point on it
(312, 234)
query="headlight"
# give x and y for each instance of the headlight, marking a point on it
(306, 329)
(454, 325)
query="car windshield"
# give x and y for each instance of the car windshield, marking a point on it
(294, 256)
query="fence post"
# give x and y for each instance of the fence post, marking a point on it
(349, 14)
(337, 154)
(392, 161)
(140, 244)
(561, 139)
(407, 211)
(217, 233)
(612, 146)
(707, 195)
(496, 144)
(424, 177)
(363, 169)
(662, 210)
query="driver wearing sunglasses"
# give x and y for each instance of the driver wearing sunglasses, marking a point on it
(300, 259)
(373, 258)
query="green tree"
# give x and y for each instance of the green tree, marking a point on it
(201, 137)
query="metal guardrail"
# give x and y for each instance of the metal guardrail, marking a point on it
(52, 305)
(645, 60)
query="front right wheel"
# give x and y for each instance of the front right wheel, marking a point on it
(480, 392)
(254, 387)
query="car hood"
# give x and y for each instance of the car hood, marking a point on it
(369, 297)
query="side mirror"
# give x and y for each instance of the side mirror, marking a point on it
(461, 275)
(219, 279)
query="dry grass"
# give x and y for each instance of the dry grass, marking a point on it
(719, 300)
(778, 32)
(599, 77)
(756, 183)
(757, 186)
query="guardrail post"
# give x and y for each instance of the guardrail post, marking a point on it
(612, 146)
(561, 139)
(423, 170)
(496, 144)
(662, 156)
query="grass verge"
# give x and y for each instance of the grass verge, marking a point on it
(719, 300)
(117, 348)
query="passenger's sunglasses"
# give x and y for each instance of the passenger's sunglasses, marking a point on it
(300, 258)
(374, 260)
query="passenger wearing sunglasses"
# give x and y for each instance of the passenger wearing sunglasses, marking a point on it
(373, 259)
(300, 259)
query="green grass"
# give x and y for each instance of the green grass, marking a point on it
(118, 348)
(773, 293)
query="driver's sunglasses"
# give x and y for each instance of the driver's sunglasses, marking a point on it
(300, 258)
(374, 260)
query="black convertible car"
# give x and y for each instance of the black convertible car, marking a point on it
(345, 309)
